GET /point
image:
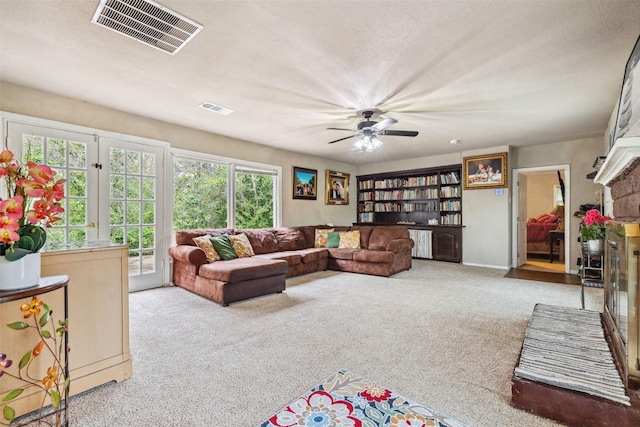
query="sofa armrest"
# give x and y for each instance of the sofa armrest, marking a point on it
(400, 245)
(189, 254)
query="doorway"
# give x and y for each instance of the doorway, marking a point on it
(540, 191)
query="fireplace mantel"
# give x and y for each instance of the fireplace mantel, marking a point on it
(622, 154)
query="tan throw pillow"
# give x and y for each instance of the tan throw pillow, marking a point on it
(320, 240)
(241, 245)
(204, 243)
(349, 239)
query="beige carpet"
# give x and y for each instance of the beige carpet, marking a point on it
(443, 334)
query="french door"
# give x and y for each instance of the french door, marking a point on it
(114, 192)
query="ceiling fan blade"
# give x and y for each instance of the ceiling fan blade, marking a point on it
(350, 130)
(341, 139)
(384, 124)
(399, 133)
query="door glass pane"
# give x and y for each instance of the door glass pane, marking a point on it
(133, 201)
(254, 200)
(57, 153)
(200, 194)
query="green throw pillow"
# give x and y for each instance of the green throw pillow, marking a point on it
(223, 246)
(333, 239)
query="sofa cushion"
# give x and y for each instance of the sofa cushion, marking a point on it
(308, 231)
(185, 237)
(292, 257)
(339, 253)
(366, 255)
(263, 241)
(289, 239)
(223, 246)
(349, 239)
(204, 243)
(311, 255)
(241, 269)
(241, 245)
(365, 234)
(381, 236)
(320, 240)
(333, 239)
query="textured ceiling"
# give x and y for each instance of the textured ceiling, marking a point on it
(487, 73)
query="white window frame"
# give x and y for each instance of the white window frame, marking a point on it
(233, 166)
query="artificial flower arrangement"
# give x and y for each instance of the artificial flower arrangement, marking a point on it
(32, 199)
(55, 382)
(594, 225)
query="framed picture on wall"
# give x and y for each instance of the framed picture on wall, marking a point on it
(485, 171)
(628, 120)
(305, 183)
(336, 188)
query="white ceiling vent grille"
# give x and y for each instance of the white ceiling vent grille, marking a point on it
(148, 22)
(215, 108)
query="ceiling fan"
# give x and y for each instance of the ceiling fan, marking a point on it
(370, 130)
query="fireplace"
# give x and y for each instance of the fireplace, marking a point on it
(621, 313)
(620, 316)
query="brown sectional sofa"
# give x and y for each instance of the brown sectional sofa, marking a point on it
(281, 253)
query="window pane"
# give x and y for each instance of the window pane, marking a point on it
(148, 164)
(148, 188)
(56, 235)
(133, 213)
(117, 235)
(116, 160)
(200, 194)
(133, 162)
(77, 183)
(116, 213)
(133, 237)
(148, 237)
(117, 187)
(77, 234)
(148, 213)
(33, 148)
(254, 200)
(77, 211)
(133, 187)
(56, 153)
(78, 155)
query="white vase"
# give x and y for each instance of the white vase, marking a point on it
(595, 245)
(21, 274)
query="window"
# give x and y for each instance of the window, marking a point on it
(214, 192)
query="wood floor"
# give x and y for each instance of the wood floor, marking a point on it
(543, 276)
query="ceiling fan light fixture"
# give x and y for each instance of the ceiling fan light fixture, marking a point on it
(368, 144)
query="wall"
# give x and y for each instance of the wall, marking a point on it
(580, 155)
(31, 102)
(485, 214)
(540, 193)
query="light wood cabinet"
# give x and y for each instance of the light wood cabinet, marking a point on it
(98, 318)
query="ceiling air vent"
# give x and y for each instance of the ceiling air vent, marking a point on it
(148, 22)
(215, 108)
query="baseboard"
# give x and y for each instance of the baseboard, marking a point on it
(497, 267)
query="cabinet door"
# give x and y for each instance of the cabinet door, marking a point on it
(447, 244)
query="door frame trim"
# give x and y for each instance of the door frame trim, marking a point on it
(515, 208)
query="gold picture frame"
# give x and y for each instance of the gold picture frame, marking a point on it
(336, 188)
(305, 183)
(485, 171)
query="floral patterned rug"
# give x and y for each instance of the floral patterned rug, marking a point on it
(347, 400)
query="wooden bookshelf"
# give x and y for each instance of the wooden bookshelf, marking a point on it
(421, 199)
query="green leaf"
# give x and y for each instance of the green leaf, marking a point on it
(46, 334)
(25, 359)
(67, 382)
(45, 318)
(26, 242)
(15, 393)
(55, 399)
(16, 254)
(8, 413)
(18, 325)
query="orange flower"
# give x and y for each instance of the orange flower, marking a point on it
(38, 348)
(51, 378)
(31, 308)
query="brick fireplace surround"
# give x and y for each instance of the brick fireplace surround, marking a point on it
(625, 192)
